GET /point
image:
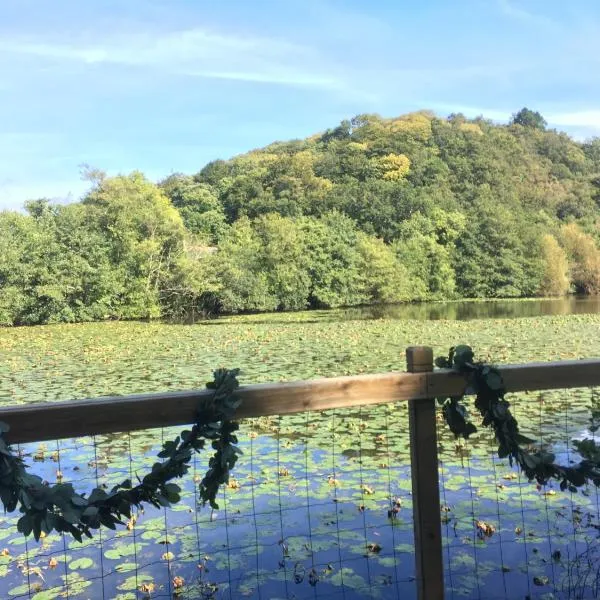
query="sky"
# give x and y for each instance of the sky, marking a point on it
(166, 86)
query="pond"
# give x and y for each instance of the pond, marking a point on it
(321, 503)
(433, 311)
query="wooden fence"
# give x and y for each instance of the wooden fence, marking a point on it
(419, 386)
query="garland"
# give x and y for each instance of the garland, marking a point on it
(487, 384)
(58, 507)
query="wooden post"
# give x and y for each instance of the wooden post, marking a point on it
(425, 486)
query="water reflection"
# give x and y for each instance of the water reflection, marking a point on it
(494, 309)
(462, 310)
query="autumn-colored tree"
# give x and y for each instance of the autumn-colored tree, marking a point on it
(393, 167)
(584, 259)
(555, 278)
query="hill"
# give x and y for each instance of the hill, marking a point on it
(374, 210)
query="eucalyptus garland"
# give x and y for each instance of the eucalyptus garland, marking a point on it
(487, 384)
(58, 507)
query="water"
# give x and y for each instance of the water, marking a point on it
(461, 310)
(314, 489)
(465, 310)
(308, 516)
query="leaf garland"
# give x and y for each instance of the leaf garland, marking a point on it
(487, 384)
(58, 507)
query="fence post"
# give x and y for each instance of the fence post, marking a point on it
(425, 486)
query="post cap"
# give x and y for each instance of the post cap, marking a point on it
(419, 359)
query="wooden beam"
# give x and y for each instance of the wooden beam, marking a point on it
(57, 420)
(525, 377)
(425, 487)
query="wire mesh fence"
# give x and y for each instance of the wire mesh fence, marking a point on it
(507, 537)
(320, 506)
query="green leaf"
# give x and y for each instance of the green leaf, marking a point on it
(494, 381)
(546, 458)
(81, 563)
(576, 477)
(463, 355)
(531, 460)
(25, 524)
(522, 439)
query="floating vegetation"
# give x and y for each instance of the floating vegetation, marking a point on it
(289, 534)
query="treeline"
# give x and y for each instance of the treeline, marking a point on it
(375, 210)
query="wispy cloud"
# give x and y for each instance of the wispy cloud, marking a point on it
(194, 52)
(517, 12)
(587, 119)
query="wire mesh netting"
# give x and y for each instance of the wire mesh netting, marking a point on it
(506, 537)
(320, 506)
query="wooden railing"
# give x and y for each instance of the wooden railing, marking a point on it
(419, 386)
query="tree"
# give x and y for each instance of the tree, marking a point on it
(284, 260)
(555, 278)
(584, 259)
(145, 233)
(52, 268)
(375, 210)
(384, 278)
(333, 259)
(497, 255)
(198, 205)
(529, 118)
(393, 167)
(238, 264)
(426, 248)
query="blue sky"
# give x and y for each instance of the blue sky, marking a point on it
(168, 85)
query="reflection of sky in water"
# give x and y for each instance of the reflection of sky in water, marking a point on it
(276, 524)
(328, 534)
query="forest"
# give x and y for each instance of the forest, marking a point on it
(375, 210)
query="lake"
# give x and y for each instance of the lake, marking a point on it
(307, 515)
(460, 310)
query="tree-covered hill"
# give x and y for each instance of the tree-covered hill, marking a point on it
(374, 210)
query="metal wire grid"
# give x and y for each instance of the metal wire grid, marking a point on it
(506, 537)
(309, 516)
(302, 518)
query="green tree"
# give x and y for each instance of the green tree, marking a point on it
(497, 255)
(384, 279)
(333, 259)
(145, 233)
(375, 210)
(426, 247)
(529, 118)
(284, 261)
(198, 205)
(238, 264)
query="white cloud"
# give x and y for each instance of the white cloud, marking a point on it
(195, 52)
(518, 13)
(589, 119)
